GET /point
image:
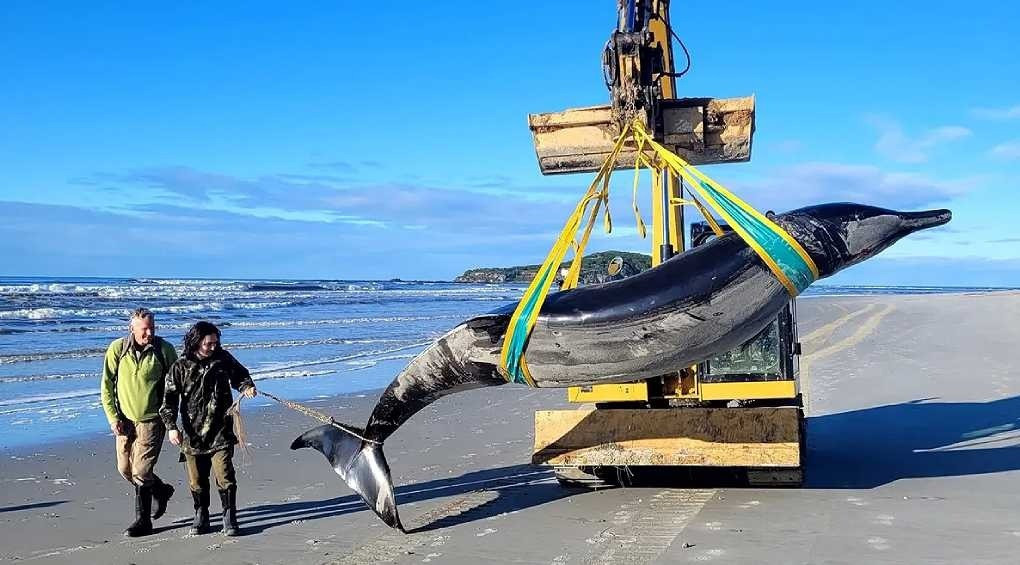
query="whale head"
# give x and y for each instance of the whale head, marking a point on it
(843, 234)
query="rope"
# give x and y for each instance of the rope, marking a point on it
(310, 412)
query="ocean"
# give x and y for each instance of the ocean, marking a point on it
(302, 340)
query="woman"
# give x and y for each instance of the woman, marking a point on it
(199, 384)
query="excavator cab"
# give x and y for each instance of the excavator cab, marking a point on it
(772, 356)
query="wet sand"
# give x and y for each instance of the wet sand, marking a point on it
(913, 457)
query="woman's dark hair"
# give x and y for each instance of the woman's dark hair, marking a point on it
(195, 336)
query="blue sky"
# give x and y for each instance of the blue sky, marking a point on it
(389, 139)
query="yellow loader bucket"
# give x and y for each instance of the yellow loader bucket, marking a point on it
(701, 130)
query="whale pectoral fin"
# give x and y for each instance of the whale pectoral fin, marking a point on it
(360, 464)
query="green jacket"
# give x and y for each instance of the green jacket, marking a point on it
(133, 389)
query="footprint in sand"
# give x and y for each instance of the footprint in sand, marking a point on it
(710, 554)
(884, 520)
(879, 543)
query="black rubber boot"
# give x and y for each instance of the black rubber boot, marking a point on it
(201, 524)
(161, 493)
(228, 498)
(143, 509)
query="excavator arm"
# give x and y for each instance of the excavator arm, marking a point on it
(639, 72)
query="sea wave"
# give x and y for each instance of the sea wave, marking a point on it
(286, 287)
(270, 375)
(100, 351)
(49, 313)
(50, 397)
(52, 377)
(287, 366)
(239, 324)
(273, 371)
(336, 321)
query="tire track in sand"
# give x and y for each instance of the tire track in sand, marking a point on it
(866, 328)
(643, 531)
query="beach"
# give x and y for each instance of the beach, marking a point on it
(913, 456)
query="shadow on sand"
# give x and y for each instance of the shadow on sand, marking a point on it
(924, 438)
(32, 506)
(506, 489)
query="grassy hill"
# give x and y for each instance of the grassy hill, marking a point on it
(593, 269)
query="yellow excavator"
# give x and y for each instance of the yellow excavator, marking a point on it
(741, 410)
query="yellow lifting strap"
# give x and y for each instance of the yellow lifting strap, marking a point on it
(780, 252)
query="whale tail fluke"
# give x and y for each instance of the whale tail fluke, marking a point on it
(360, 463)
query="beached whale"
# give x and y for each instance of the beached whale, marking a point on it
(699, 303)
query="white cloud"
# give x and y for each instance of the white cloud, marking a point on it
(817, 182)
(895, 144)
(1010, 113)
(1008, 150)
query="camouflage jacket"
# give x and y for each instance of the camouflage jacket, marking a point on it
(200, 392)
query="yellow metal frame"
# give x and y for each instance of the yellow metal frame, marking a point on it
(627, 392)
(638, 391)
(749, 390)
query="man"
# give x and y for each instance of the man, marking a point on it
(132, 391)
(198, 389)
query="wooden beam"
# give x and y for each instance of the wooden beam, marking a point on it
(701, 130)
(717, 437)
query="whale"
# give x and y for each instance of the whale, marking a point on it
(698, 303)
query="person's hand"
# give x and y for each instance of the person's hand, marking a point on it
(250, 392)
(175, 437)
(117, 427)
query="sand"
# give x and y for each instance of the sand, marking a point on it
(912, 458)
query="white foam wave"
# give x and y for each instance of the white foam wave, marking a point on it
(309, 342)
(48, 313)
(337, 321)
(366, 363)
(50, 356)
(98, 352)
(258, 324)
(273, 371)
(50, 397)
(331, 360)
(290, 374)
(54, 377)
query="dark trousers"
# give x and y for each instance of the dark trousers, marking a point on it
(221, 463)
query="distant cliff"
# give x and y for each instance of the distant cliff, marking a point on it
(593, 269)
